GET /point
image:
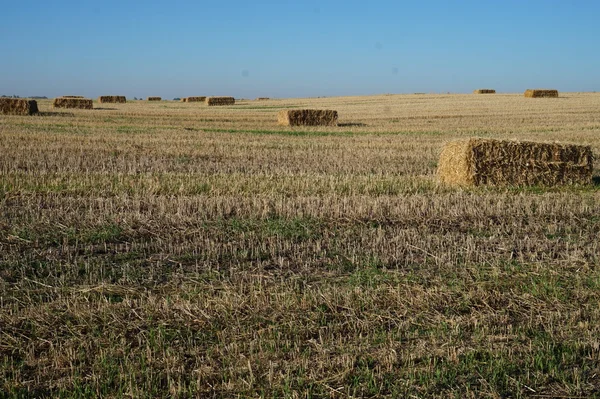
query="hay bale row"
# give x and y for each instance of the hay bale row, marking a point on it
(536, 93)
(193, 99)
(476, 162)
(484, 91)
(18, 106)
(112, 99)
(307, 117)
(69, 102)
(154, 99)
(220, 101)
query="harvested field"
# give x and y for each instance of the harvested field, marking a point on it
(475, 162)
(72, 102)
(193, 99)
(18, 106)
(112, 99)
(536, 93)
(307, 117)
(220, 101)
(154, 99)
(164, 250)
(484, 91)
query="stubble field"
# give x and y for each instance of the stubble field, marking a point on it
(169, 249)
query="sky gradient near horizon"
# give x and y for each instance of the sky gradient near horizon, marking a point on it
(296, 49)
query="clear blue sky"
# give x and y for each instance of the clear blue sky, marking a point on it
(296, 49)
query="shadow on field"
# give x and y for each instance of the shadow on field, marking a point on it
(352, 124)
(596, 180)
(105, 109)
(49, 113)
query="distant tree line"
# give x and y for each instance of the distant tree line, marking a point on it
(35, 97)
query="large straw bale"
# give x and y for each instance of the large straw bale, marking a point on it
(112, 99)
(154, 98)
(484, 91)
(534, 93)
(307, 117)
(220, 101)
(193, 99)
(81, 103)
(18, 106)
(477, 161)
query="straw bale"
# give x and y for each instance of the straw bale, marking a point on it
(112, 99)
(262, 99)
(484, 91)
(476, 161)
(18, 106)
(220, 100)
(154, 98)
(534, 93)
(81, 103)
(307, 117)
(193, 99)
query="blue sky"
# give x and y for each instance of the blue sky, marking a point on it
(296, 49)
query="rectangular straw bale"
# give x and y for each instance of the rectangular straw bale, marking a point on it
(475, 162)
(193, 99)
(112, 99)
(262, 99)
(220, 101)
(307, 117)
(534, 93)
(154, 99)
(18, 106)
(484, 91)
(81, 103)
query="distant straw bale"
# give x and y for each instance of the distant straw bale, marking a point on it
(534, 93)
(193, 99)
(81, 103)
(262, 99)
(112, 99)
(475, 162)
(73, 97)
(18, 106)
(154, 99)
(220, 101)
(307, 117)
(484, 91)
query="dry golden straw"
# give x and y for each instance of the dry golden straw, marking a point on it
(154, 98)
(475, 162)
(112, 99)
(18, 106)
(81, 103)
(220, 101)
(193, 99)
(534, 93)
(307, 117)
(484, 91)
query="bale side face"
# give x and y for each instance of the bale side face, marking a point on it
(18, 106)
(112, 99)
(485, 91)
(154, 98)
(78, 103)
(307, 117)
(193, 99)
(220, 101)
(478, 162)
(537, 93)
